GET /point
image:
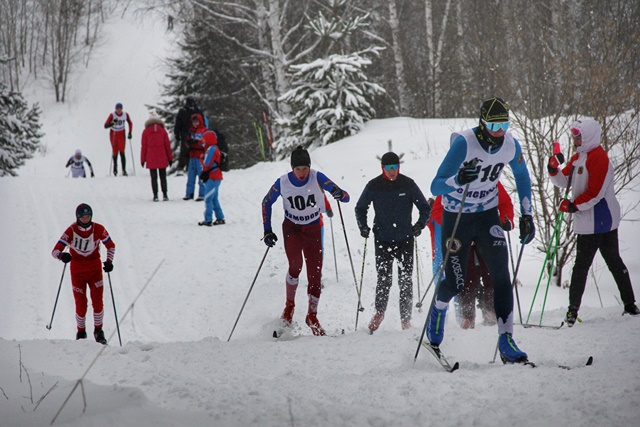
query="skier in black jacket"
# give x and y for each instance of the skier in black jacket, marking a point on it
(393, 196)
(181, 131)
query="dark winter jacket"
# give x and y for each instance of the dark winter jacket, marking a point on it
(183, 121)
(155, 152)
(393, 203)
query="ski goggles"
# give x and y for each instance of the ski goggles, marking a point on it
(575, 132)
(496, 126)
(391, 167)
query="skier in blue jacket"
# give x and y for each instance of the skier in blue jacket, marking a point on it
(475, 162)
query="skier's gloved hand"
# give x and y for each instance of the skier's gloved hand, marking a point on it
(108, 266)
(204, 175)
(129, 136)
(142, 164)
(416, 229)
(270, 238)
(468, 173)
(92, 174)
(330, 213)
(506, 224)
(64, 257)
(527, 229)
(554, 163)
(567, 206)
(337, 192)
(108, 125)
(364, 232)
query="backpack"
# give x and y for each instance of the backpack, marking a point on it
(224, 151)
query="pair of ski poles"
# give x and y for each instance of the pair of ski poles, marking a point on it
(360, 308)
(112, 299)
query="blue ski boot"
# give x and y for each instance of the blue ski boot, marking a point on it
(509, 351)
(435, 325)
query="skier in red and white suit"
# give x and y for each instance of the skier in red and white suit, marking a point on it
(83, 240)
(116, 121)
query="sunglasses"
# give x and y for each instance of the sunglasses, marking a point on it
(391, 167)
(576, 133)
(496, 126)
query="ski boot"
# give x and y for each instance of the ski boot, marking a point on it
(631, 309)
(435, 325)
(509, 351)
(572, 316)
(314, 324)
(98, 334)
(81, 335)
(376, 320)
(287, 314)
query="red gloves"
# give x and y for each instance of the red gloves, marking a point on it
(567, 206)
(554, 163)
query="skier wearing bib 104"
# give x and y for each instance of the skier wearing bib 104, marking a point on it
(475, 162)
(83, 240)
(302, 199)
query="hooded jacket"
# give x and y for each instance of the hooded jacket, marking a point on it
(591, 183)
(156, 147)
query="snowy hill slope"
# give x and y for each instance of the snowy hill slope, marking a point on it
(176, 366)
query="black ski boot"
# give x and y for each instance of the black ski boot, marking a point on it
(81, 335)
(98, 334)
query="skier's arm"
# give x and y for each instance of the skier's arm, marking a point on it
(362, 207)
(69, 162)
(423, 206)
(62, 243)
(130, 123)
(445, 179)
(267, 202)
(109, 121)
(523, 181)
(330, 186)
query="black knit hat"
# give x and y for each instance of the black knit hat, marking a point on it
(390, 158)
(494, 110)
(300, 157)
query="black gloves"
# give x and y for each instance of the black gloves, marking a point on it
(417, 229)
(92, 174)
(204, 175)
(506, 225)
(337, 193)
(527, 229)
(468, 173)
(270, 238)
(567, 206)
(330, 213)
(364, 232)
(142, 164)
(129, 136)
(108, 266)
(108, 125)
(65, 257)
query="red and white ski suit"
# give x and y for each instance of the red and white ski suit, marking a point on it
(86, 267)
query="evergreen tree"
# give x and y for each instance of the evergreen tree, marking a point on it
(19, 131)
(332, 99)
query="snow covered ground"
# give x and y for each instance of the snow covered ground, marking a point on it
(176, 367)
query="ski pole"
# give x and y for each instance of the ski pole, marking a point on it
(435, 274)
(353, 270)
(249, 293)
(133, 160)
(364, 255)
(515, 282)
(333, 243)
(114, 309)
(57, 295)
(553, 247)
(449, 242)
(415, 244)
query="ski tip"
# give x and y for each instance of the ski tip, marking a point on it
(589, 361)
(455, 367)
(275, 334)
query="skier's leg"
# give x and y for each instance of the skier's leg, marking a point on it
(404, 256)
(384, 269)
(96, 289)
(79, 286)
(154, 181)
(610, 251)
(586, 248)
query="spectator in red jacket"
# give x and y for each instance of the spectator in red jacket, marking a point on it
(156, 154)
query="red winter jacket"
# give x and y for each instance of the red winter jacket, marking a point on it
(156, 148)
